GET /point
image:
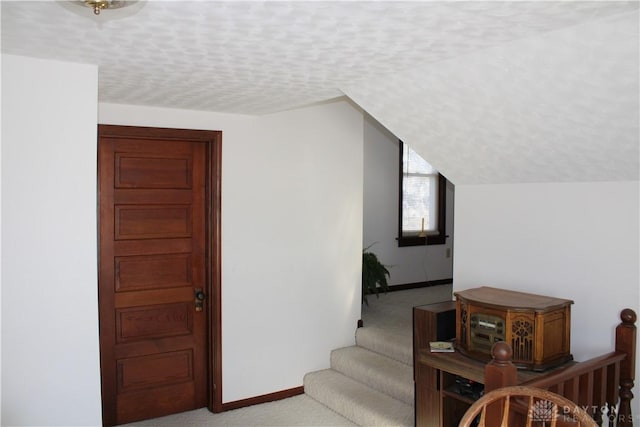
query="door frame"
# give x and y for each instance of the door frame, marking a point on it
(213, 205)
(213, 243)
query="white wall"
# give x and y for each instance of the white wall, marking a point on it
(292, 235)
(410, 264)
(578, 241)
(50, 350)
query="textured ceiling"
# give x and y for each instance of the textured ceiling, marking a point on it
(560, 107)
(487, 91)
(262, 57)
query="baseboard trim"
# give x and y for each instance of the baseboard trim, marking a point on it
(277, 395)
(417, 285)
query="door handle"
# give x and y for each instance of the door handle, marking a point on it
(199, 298)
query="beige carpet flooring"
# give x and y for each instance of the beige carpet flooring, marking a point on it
(388, 320)
(294, 411)
(391, 315)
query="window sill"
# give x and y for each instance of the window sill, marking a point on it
(421, 241)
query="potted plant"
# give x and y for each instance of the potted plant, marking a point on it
(374, 275)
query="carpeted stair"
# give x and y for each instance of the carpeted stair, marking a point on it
(365, 387)
(376, 371)
(371, 383)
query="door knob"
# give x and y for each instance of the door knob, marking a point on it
(199, 298)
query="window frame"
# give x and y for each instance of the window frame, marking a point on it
(432, 239)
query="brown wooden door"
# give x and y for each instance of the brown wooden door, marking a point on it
(155, 255)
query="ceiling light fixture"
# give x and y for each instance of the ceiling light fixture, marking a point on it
(99, 5)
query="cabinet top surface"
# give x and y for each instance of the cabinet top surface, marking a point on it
(510, 299)
(437, 307)
(464, 366)
(458, 364)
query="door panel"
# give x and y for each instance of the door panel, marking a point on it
(154, 321)
(152, 171)
(135, 273)
(137, 373)
(142, 221)
(154, 254)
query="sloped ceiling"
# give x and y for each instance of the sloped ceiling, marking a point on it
(487, 91)
(560, 107)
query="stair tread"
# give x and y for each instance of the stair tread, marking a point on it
(359, 403)
(375, 370)
(396, 345)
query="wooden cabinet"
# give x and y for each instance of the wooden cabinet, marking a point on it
(432, 322)
(438, 398)
(604, 381)
(439, 401)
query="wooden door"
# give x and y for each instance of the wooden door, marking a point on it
(155, 266)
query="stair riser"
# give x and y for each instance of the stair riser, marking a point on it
(376, 371)
(398, 348)
(355, 401)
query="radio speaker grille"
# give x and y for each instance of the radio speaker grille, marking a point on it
(522, 334)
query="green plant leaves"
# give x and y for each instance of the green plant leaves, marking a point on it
(374, 276)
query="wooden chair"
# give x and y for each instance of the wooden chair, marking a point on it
(514, 404)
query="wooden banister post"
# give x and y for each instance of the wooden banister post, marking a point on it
(626, 343)
(500, 372)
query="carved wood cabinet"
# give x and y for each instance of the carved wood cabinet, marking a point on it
(537, 327)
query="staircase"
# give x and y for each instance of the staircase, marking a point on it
(365, 387)
(371, 383)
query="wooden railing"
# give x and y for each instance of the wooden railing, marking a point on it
(590, 384)
(602, 385)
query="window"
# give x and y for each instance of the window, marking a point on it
(422, 201)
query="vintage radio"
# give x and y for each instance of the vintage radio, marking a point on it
(537, 327)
